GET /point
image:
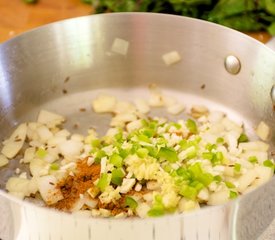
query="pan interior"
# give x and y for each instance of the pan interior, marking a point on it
(77, 109)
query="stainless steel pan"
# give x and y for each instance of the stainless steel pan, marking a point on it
(33, 69)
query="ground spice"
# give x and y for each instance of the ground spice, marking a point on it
(72, 186)
(82, 180)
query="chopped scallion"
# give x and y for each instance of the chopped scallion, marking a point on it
(237, 167)
(54, 166)
(168, 154)
(41, 153)
(104, 181)
(116, 160)
(191, 125)
(131, 203)
(253, 159)
(188, 192)
(243, 138)
(230, 184)
(268, 163)
(233, 195)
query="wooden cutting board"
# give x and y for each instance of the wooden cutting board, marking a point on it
(17, 17)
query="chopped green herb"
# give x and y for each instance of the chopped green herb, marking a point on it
(196, 184)
(253, 159)
(237, 167)
(191, 125)
(210, 147)
(96, 143)
(116, 160)
(218, 178)
(131, 203)
(220, 140)
(268, 163)
(156, 212)
(188, 192)
(100, 154)
(157, 208)
(143, 138)
(152, 151)
(195, 170)
(230, 185)
(168, 154)
(242, 138)
(41, 153)
(117, 176)
(104, 181)
(205, 179)
(233, 195)
(54, 166)
(208, 155)
(142, 152)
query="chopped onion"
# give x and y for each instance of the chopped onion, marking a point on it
(156, 98)
(175, 109)
(123, 107)
(219, 197)
(127, 185)
(44, 134)
(142, 106)
(70, 148)
(39, 167)
(122, 118)
(48, 190)
(29, 154)
(198, 110)
(171, 58)
(120, 46)
(142, 210)
(3, 160)
(246, 179)
(21, 185)
(50, 119)
(104, 104)
(186, 205)
(262, 131)
(15, 143)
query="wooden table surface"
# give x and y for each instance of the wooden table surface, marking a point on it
(17, 17)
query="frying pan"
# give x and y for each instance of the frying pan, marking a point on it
(63, 66)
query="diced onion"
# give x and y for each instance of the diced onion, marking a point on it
(48, 190)
(171, 58)
(104, 104)
(15, 143)
(3, 160)
(262, 131)
(50, 119)
(120, 46)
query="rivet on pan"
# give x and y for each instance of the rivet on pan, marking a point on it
(232, 64)
(272, 94)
